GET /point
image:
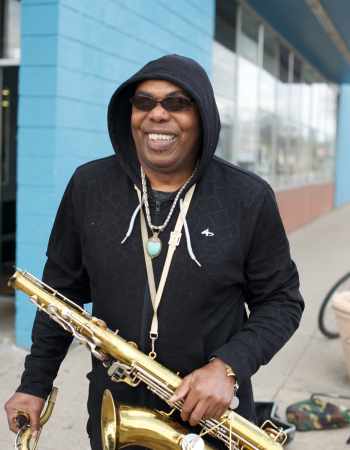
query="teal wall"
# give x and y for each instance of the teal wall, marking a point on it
(342, 179)
(74, 55)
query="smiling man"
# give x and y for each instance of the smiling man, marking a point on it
(167, 141)
(112, 232)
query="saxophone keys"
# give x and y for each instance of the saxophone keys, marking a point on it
(167, 414)
(99, 322)
(52, 310)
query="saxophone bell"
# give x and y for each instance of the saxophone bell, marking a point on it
(122, 426)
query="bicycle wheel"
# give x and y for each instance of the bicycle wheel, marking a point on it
(326, 317)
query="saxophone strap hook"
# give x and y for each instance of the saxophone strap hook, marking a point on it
(153, 337)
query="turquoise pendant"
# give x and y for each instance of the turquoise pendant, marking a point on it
(154, 246)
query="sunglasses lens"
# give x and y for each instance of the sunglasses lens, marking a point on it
(143, 103)
(172, 104)
(176, 103)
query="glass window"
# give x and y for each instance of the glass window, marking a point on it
(284, 63)
(267, 137)
(247, 99)
(267, 92)
(282, 85)
(278, 114)
(295, 90)
(270, 56)
(306, 96)
(224, 73)
(225, 23)
(249, 36)
(11, 29)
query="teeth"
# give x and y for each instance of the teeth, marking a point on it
(161, 137)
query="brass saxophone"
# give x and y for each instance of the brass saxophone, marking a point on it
(24, 436)
(125, 363)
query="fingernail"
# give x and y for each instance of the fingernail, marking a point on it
(35, 434)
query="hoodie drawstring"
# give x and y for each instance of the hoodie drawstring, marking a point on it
(187, 233)
(188, 238)
(132, 221)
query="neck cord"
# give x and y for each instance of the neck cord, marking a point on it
(154, 244)
(174, 241)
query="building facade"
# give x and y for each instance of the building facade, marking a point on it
(283, 100)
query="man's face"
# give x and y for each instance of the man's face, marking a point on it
(166, 142)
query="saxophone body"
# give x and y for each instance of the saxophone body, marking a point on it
(126, 363)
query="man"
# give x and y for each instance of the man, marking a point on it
(164, 125)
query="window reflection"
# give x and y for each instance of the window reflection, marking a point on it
(224, 74)
(248, 44)
(11, 31)
(278, 114)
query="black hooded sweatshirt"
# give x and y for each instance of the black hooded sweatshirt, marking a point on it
(244, 257)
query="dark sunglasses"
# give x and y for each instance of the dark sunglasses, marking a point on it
(171, 104)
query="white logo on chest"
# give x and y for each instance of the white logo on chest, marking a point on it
(207, 233)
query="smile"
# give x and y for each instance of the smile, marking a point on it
(161, 137)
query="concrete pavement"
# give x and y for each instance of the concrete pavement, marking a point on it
(308, 363)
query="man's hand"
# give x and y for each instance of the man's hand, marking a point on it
(207, 392)
(24, 402)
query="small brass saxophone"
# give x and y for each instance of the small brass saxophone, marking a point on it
(24, 435)
(125, 363)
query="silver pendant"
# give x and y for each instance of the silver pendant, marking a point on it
(234, 403)
(154, 246)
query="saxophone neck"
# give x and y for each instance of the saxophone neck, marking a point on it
(46, 414)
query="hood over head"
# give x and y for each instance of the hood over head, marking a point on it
(185, 73)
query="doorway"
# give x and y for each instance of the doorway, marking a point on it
(8, 157)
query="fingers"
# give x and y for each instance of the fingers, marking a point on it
(14, 424)
(182, 390)
(214, 411)
(197, 413)
(206, 392)
(17, 419)
(26, 406)
(35, 421)
(189, 405)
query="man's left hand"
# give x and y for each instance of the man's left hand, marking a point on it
(206, 392)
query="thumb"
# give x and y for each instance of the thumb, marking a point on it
(182, 390)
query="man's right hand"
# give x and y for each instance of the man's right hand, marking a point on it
(30, 404)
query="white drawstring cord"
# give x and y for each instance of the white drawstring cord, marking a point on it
(187, 233)
(188, 238)
(132, 221)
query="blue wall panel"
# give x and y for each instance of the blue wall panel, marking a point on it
(36, 142)
(342, 185)
(35, 171)
(33, 26)
(37, 80)
(37, 111)
(38, 50)
(73, 59)
(40, 200)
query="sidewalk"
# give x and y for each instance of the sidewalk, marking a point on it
(308, 363)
